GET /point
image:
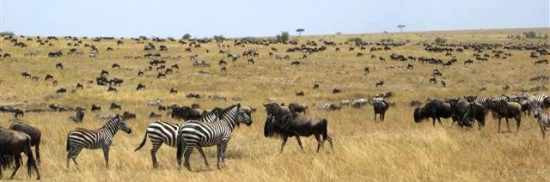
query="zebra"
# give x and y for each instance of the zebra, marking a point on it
(160, 132)
(80, 138)
(543, 119)
(198, 134)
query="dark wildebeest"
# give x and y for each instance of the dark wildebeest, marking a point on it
(12, 144)
(435, 109)
(284, 123)
(380, 106)
(34, 133)
(297, 108)
(504, 109)
(78, 116)
(186, 113)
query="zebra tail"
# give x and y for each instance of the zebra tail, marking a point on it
(142, 142)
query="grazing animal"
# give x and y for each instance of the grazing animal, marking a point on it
(186, 113)
(140, 87)
(78, 115)
(380, 106)
(379, 84)
(59, 66)
(435, 109)
(12, 144)
(33, 132)
(285, 124)
(95, 108)
(115, 106)
(297, 108)
(504, 109)
(543, 119)
(81, 138)
(160, 132)
(196, 134)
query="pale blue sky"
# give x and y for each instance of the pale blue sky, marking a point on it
(237, 18)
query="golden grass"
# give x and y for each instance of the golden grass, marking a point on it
(395, 150)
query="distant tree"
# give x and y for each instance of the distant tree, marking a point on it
(401, 27)
(440, 40)
(283, 37)
(530, 35)
(299, 31)
(7, 34)
(219, 38)
(356, 40)
(186, 36)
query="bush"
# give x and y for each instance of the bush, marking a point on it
(356, 40)
(440, 41)
(186, 36)
(219, 38)
(7, 34)
(283, 37)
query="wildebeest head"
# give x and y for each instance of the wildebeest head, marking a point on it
(418, 116)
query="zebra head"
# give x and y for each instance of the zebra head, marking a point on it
(122, 124)
(244, 115)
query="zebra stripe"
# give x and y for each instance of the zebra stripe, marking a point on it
(162, 132)
(198, 134)
(543, 119)
(81, 138)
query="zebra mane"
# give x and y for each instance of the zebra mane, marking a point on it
(113, 120)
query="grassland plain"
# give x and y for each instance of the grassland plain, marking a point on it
(394, 150)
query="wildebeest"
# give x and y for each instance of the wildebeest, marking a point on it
(297, 108)
(286, 124)
(115, 106)
(12, 144)
(380, 106)
(504, 109)
(78, 116)
(435, 109)
(33, 132)
(95, 108)
(185, 113)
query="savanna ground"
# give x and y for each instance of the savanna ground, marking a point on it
(394, 150)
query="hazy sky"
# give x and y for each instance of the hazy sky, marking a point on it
(262, 17)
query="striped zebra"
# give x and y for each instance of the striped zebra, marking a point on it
(543, 119)
(160, 132)
(198, 134)
(80, 138)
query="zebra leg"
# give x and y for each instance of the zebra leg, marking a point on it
(106, 155)
(224, 147)
(188, 151)
(203, 156)
(73, 153)
(17, 165)
(154, 155)
(300, 143)
(285, 138)
(218, 155)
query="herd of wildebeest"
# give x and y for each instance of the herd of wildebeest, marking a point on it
(199, 128)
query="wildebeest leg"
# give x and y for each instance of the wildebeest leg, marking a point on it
(285, 138)
(319, 142)
(203, 156)
(433, 120)
(382, 116)
(37, 151)
(17, 165)
(507, 124)
(499, 120)
(300, 143)
(518, 123)
(106, 155)
(439, 120)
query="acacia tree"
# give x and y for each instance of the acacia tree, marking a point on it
(401, 27)
(299, 31)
